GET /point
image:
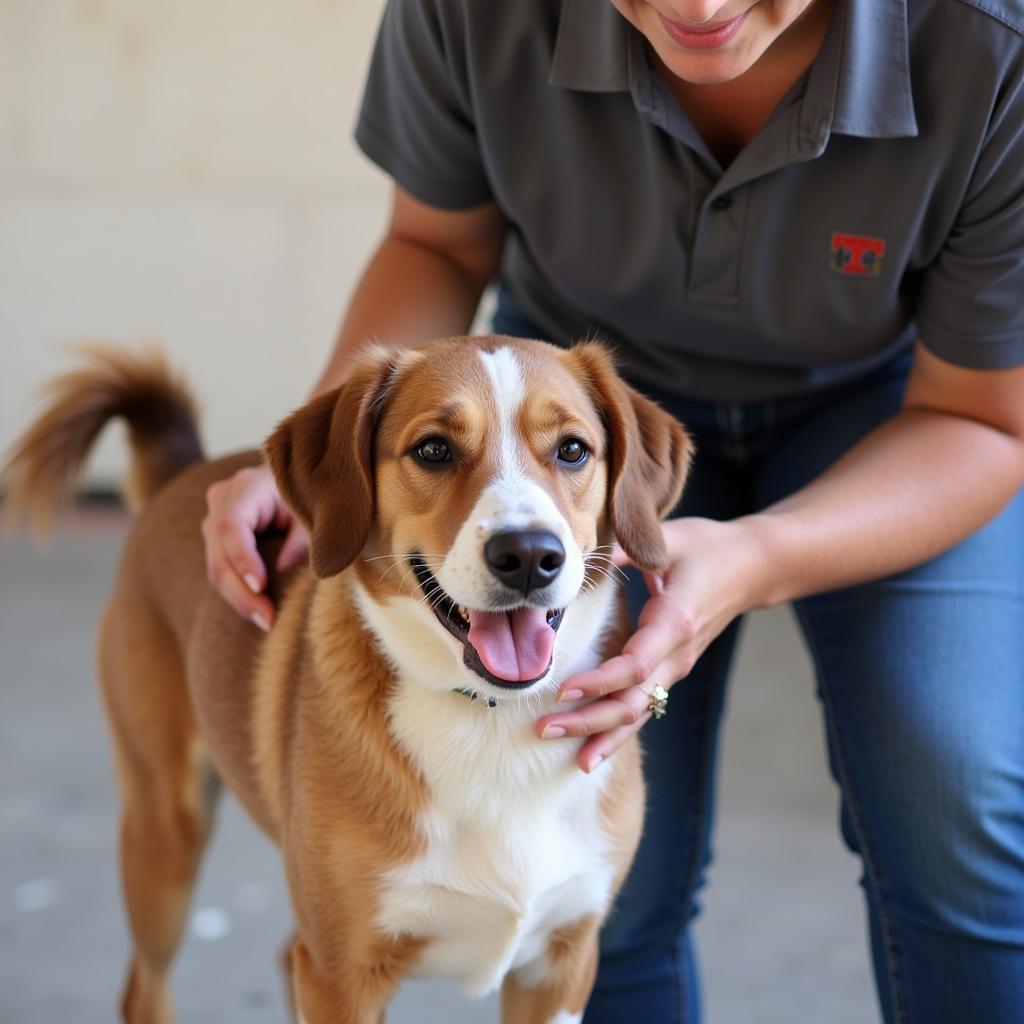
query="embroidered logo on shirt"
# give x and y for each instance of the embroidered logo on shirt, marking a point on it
(859, 255)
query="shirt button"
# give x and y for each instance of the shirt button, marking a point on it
(721, 203)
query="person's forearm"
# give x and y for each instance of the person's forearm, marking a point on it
(910, 490)
(408, 294)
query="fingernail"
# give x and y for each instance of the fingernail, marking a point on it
(567, 695)
(251, 582)
(593, 764)
(552, 732)
(258, 620)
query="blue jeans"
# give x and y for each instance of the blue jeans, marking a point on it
(921, 681)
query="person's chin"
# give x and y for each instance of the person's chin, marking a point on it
(705, 67)
(701, 66)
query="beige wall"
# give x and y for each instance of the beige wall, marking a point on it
(182, 171)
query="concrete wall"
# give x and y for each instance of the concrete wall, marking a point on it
(182, 171)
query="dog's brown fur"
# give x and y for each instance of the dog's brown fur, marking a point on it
(293, 722)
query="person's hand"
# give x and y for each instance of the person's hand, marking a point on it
(710, 579)
(236, 510)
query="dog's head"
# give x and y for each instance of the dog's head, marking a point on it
(477, 485)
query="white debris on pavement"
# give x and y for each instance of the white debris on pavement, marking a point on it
(38, 894)
(211, 923)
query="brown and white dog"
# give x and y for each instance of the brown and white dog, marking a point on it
(460, 499)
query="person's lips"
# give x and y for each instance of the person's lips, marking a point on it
(704, 37)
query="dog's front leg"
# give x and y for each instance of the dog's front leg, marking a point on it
(355, 991)
(556, 989)
(342, 999)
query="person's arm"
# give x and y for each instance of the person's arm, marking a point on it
(424, 281)
(947, 463)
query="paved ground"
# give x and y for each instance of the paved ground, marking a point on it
(781, 938)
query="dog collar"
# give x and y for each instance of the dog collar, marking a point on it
(473, 696)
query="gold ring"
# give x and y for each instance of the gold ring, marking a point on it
(659, 701)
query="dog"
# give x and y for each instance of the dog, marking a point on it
(460, 498)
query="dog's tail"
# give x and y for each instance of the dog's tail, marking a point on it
(44, 463)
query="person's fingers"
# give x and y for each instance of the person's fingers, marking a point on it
(236, 509)
(618, 673)
(250, 605)
(250, 505)
(237, 545)
(623, 708)
(600, 748)
(257, 608)
(655, 582)
(295, 547)
(664, 631)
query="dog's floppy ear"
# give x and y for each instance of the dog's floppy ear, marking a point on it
(648, 459)
(322, 459)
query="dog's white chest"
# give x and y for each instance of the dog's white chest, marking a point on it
(515, 848)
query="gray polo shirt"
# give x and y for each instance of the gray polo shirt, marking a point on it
(884, 199)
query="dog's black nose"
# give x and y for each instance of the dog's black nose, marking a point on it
(525, 559)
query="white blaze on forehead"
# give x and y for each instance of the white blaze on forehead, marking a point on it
(509, 392)
(511, 500)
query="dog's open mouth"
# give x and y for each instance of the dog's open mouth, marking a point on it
(511, 649)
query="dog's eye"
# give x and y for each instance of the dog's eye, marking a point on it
(572, 451)
(434, 450)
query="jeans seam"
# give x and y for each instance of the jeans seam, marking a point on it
(680, 977)
(693, 856)
(874, 872)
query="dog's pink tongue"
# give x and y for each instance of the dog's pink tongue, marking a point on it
(513, 645)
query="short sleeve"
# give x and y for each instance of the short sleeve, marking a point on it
(416, 119)
(971, 304)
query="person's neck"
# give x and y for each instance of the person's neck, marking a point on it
(727, 115)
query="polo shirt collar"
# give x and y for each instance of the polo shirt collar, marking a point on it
(862, 80)
(874, 97)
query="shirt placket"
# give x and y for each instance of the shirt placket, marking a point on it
(796, 133)
(716, 252)
(799, 131)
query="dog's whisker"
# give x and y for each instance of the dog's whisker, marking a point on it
(430, 565)
(408, 573)
(394, 565)
(597, 570)
(608, 565)
(599, 552)
(431, 561)
(377, 558)
(397, 560)
(428, 595)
